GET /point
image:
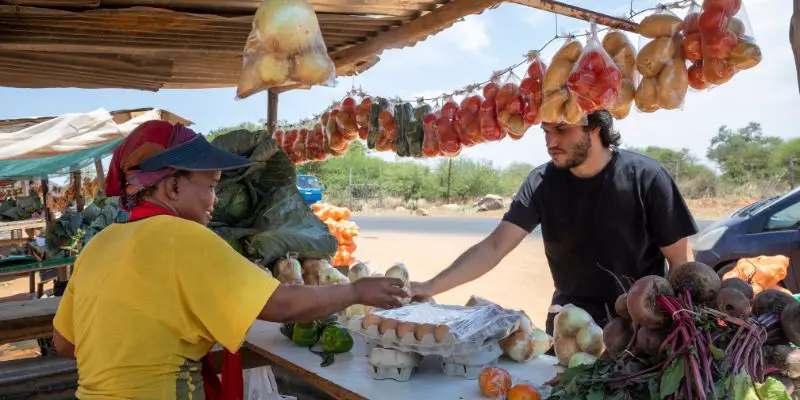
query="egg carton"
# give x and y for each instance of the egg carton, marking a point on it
(427, 345)
(470, 366)
(394, 373)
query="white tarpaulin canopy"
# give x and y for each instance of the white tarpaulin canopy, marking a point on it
(67, 133)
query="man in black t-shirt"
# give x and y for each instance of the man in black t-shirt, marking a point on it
(602, 210)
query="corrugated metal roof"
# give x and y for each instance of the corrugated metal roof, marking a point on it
(154, 44)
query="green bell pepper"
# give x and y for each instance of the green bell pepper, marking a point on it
(305, 334)
(287, 330)
(336, 339)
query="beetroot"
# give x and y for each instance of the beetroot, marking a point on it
(785, 358)
(771, 301)
(621, 306)
(790, 322)
(648, 340)
(616, 335)
(701, 280)
(733, 302)
(642, 305)
(740, 285)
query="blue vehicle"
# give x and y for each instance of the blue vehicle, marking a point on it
(767, 227)
(310, 188)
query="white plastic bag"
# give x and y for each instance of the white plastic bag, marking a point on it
(259, 384)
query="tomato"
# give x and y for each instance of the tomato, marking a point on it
(490, 91)
(692, 48)
(696, 79)
(690, 23)
(449, 109)
(490, 128)
(728, 7)
(349, 103)
(712, 21)
(717, 71)
(719, 45)
(536, 70)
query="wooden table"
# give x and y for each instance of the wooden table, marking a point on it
(27, 319)
(15, 228)
(350, 378)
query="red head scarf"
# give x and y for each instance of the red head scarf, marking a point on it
(147, 140)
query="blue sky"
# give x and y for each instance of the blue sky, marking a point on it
(468, 52)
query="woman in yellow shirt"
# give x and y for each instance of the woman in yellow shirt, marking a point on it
(148, 298)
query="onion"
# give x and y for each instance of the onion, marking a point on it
(287, 26)
(590, 340)
(565, 348)
(273, 70)
(398, 271)
(571, 320)
(542, 342)
(313, 68)
(357, 271)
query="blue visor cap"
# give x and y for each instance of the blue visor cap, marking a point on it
(195, 155)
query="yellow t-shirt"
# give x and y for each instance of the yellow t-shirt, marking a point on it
(146, 302)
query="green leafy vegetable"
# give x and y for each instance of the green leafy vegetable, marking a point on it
(671, 379)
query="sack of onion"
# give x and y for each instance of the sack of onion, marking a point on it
(285, 47)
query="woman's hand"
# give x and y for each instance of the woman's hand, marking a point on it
(379, 292)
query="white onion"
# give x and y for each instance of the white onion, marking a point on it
(581, 359)
(590, 340)
(287, 26)
(570, 320)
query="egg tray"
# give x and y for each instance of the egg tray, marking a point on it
(394, 373)
(428, 346)
(470, 366)
(470, 330)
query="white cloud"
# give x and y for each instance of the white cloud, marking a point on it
(469, 35)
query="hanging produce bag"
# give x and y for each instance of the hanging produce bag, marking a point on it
(278, 136)
(467, 120)
(692, 47)
(336, 140)
(430, 143)
(362, 117)
(289, 138)
(416, 137)
(490, 127)
(346, 119)
(509, 103)
(315, 146)
(595, 79)
(727, 42)
(621, 50)
(559, 106)
(445, 127)
(285, 47)
(532, 89)
(665, 79)
(298, 154)
(373, 124)
(404, 117)
(388, 131)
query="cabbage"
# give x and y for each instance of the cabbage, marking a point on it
(234, 203)
(276, 220)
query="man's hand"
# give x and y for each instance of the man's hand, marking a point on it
(421, 291)
(379, 292)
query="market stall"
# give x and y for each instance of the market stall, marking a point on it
(32, 151)
(255, 47)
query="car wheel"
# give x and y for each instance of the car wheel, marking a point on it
(725, 269)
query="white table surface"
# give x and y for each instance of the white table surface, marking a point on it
(349, 377)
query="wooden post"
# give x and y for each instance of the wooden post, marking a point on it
(77, 183)
(101, 177)
(45, 189)
(272, 112)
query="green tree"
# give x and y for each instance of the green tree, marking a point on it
(782, 155)
(681, 164)
(743, 155)
(250, 126)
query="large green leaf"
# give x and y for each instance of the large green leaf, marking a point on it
(289, 226)
(672, 377)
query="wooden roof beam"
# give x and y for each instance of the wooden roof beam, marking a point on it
(411, 32)
(580, 13)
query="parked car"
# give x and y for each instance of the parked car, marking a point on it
(768, 227)
(310, 188)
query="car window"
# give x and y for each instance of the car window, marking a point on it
(307, 182)
(788, 218)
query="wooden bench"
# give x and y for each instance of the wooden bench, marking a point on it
(38, 378)
(27, 319)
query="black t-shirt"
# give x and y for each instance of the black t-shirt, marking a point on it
(619, 219)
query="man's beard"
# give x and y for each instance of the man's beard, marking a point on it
(577, 154)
